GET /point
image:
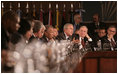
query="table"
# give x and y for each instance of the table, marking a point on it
(98, 62)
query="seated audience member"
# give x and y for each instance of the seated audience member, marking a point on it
(23, 35)
(38, 30)
(83, 36)
(9, 25)
(25, 31)
(95, 25)
(48, 34)
(110, 37)
(101, 34)
(67, 34)
(55, 33)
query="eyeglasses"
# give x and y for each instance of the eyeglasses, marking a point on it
(112, 31)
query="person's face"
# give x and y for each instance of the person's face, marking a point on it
(111, 31)
(69, 30)
(41, 33)
(82, 32)
(29, 34)
(32, 23)
(95, 18)
(101, 33)
(49, 33)
(78, 19)
(17, 24)
(14, 25)
(55, 32)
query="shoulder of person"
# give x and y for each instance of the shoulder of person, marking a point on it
(104, 39)
(15, 38)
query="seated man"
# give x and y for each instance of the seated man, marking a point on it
(110, 37)
(55, 33)
(67, 34)
(83, 36)
(101, 33)
(48, 34)
(38, 30)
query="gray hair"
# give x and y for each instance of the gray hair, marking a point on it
(66, 25)
(47, 27)
(83, 27)
(38, 25)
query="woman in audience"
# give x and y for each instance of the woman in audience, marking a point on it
(25, 32)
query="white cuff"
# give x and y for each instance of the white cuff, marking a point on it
(89, 39)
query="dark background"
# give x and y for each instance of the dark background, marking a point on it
(90, 7)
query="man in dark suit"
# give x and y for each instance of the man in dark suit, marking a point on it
(95, 25)
(83, 36)
(99, 36)
(67, 34)
(48, 34)
(110, 37)
(38, 30)
(77, 21)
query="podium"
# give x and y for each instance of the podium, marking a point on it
(98, 62)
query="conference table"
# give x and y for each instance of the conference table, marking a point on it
(98, 62)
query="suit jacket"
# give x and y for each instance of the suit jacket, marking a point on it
(105, 40)
(76, 36)
(33, 38)
(4, 39)
(77, 26)
(62, 36)
(44, 39)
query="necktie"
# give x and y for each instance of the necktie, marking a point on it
(113, 43)
(77, 26)
(83, 44)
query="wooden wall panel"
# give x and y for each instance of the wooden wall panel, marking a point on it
(98, 62)
(91, 66)
(108, 65)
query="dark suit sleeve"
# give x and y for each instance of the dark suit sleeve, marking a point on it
(4, 40)
(76, 36)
